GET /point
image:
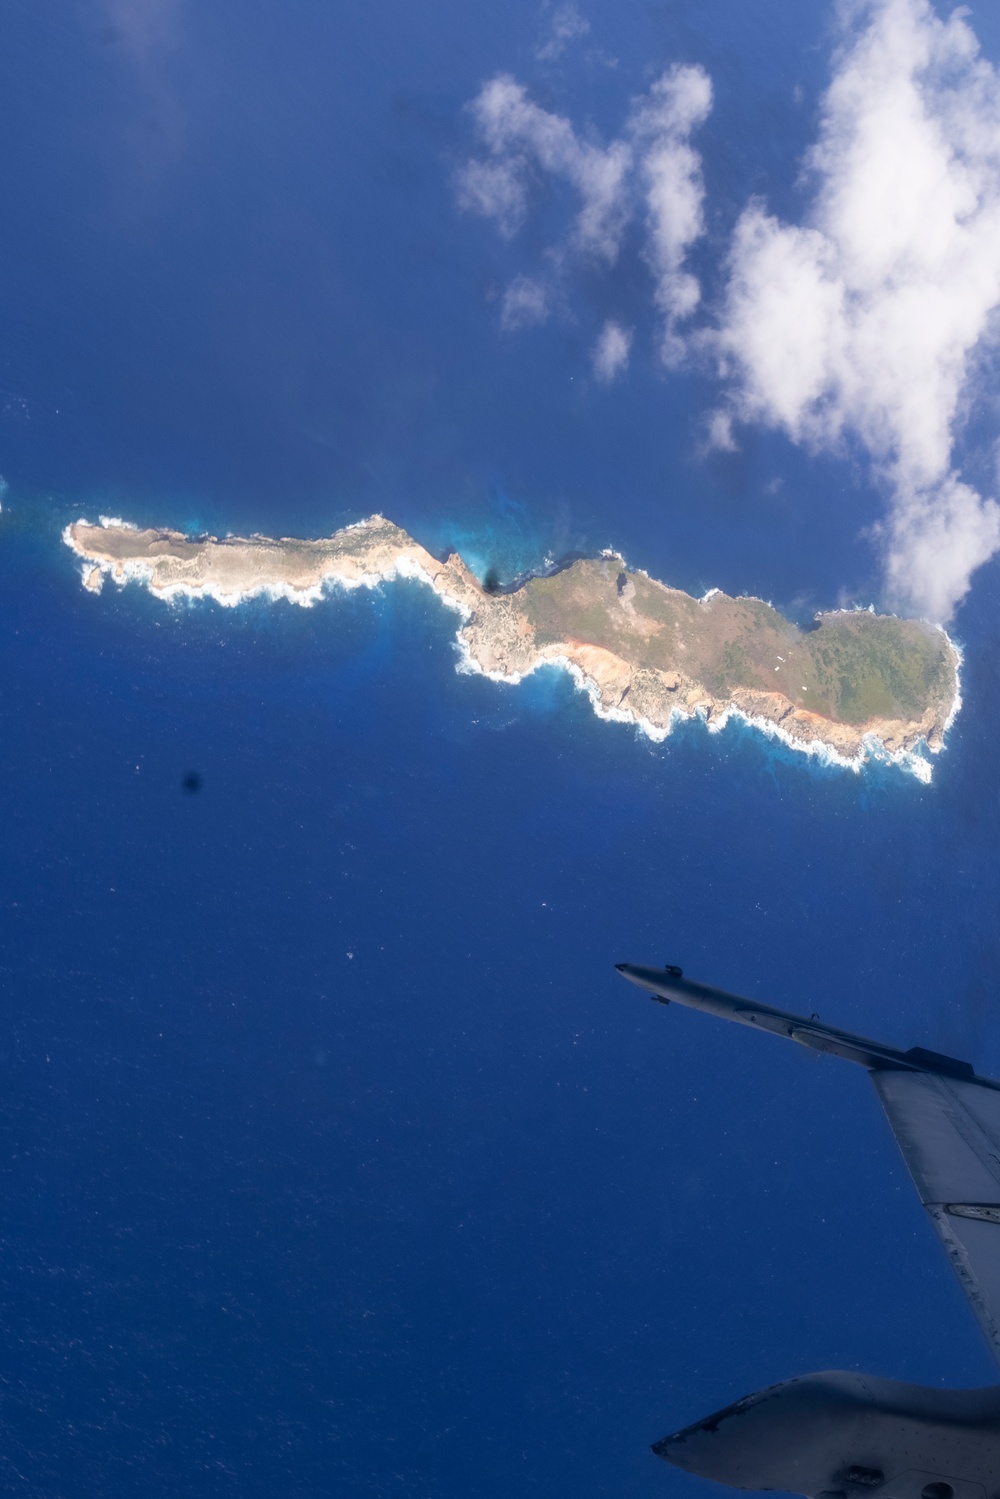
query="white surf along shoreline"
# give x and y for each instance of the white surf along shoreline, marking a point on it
(914, 761)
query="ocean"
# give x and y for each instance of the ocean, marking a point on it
(338, 1154)
(336, 1157)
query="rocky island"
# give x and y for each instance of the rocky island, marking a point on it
(856, 686)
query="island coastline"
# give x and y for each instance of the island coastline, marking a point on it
(656, 657)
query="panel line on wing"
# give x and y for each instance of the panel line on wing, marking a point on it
(970, 1129)
(949, 1133)
(958, 1257)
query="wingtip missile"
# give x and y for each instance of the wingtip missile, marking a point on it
(668, 983)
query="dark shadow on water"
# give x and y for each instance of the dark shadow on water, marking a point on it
(491, 578)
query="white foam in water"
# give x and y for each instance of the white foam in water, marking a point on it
(872, 752)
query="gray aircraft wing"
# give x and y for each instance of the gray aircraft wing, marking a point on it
(946, 1121)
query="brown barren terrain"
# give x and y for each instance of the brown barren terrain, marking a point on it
(645, 652)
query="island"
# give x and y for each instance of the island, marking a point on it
(855, 687)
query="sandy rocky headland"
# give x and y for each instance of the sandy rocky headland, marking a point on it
(858, 686)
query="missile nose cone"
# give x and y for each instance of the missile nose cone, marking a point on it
(648, 978)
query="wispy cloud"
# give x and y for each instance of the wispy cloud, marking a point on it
(147, 34)
(651, 167)
(495, 190)
(661, 125)
(611, 351)
(864, 321)
(521, 137)
(525, 304)
(567, 26)
(144, 27)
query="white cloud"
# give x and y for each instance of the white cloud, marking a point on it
(611, 351)
(525, 303)
(864, 321)
(567, 26)
(937, 539)
(521, 135)
(651, 165)
(671, 171)
(495, 190)
(720, 433)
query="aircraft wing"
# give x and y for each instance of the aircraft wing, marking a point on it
(946, 1121)
(949, 1132)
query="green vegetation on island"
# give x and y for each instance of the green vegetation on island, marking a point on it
(852, 667)
(853, 684)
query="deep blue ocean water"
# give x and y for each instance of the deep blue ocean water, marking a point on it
(336, 1158)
